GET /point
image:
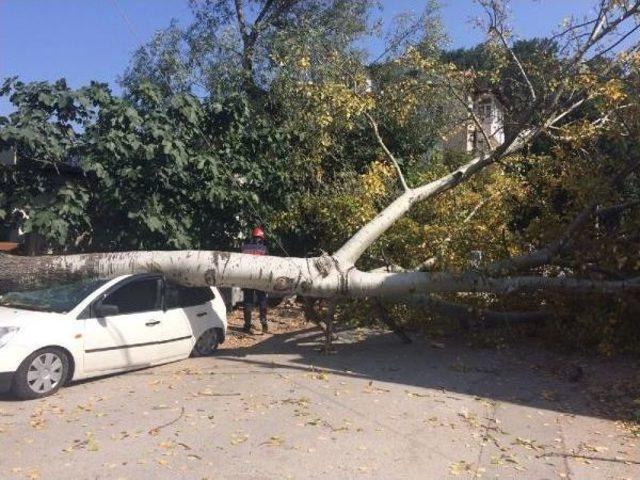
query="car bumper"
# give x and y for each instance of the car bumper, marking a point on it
(6, 380)
(12, 355)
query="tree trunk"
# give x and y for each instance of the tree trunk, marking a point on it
(323, 277)
(328, 327)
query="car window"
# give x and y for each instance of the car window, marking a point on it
(59, 299)
(179, 296)
(136, 296)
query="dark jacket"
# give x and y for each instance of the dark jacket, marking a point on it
(255, 246)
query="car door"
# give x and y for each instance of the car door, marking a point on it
(180, 307)
(130, 335)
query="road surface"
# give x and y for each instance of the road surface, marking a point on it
(376, 410)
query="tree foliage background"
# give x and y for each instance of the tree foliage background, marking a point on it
(259, 115)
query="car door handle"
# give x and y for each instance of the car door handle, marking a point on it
(151, 323)
(201, 314)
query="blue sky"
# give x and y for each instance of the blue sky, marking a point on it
(85, 40)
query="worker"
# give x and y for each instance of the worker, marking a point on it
(256, 245)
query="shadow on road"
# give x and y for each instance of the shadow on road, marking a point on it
(524, 375)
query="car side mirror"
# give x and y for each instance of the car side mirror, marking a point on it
(106, 310)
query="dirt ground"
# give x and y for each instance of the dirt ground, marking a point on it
(272, 407)
(282, 320)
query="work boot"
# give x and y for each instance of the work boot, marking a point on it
(247, 319)
(265, 328)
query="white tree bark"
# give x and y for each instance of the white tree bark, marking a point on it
(317, 276)
(336, 275)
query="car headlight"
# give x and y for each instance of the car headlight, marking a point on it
(6, 333)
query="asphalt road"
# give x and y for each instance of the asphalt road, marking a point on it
(378, 409)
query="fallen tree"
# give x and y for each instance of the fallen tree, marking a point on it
(336, 275)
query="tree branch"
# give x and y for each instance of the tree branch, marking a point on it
(353, 249)
(603, 27)
(473, 115)
(516, 60)
(613, 209)
(390, 284)
(429, 263)
(464, 312)
(376, 132)
(570, 28)
(616, 43)
(263, 13)
(545, 255)
(242, 22)
(360, 241)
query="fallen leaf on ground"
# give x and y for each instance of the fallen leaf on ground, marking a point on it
(460, 468)
(274, 441)
(414, 394)
(237, 439)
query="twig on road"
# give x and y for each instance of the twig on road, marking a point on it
(156, 430)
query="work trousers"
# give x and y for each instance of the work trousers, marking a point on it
(249, 295)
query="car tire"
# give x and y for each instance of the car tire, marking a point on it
(206, 344)
(41, 374)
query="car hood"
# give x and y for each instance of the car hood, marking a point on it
(26, 318)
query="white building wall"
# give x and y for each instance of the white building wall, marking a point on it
(468, 138)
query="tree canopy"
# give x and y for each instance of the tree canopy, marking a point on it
(268, 112)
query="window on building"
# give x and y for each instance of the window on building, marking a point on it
(484, 110)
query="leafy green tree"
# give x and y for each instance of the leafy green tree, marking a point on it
(44, 130)
(323, 147)
(100, 172)
(235, 46)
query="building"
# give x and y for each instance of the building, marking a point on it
(489, 118)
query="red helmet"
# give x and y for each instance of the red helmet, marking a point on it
(257, 232)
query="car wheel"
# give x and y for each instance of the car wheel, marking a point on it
(41, 374)
(207, 344)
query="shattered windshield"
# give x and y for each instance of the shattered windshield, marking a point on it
(60, 299)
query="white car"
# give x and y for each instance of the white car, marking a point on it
(97, 327)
